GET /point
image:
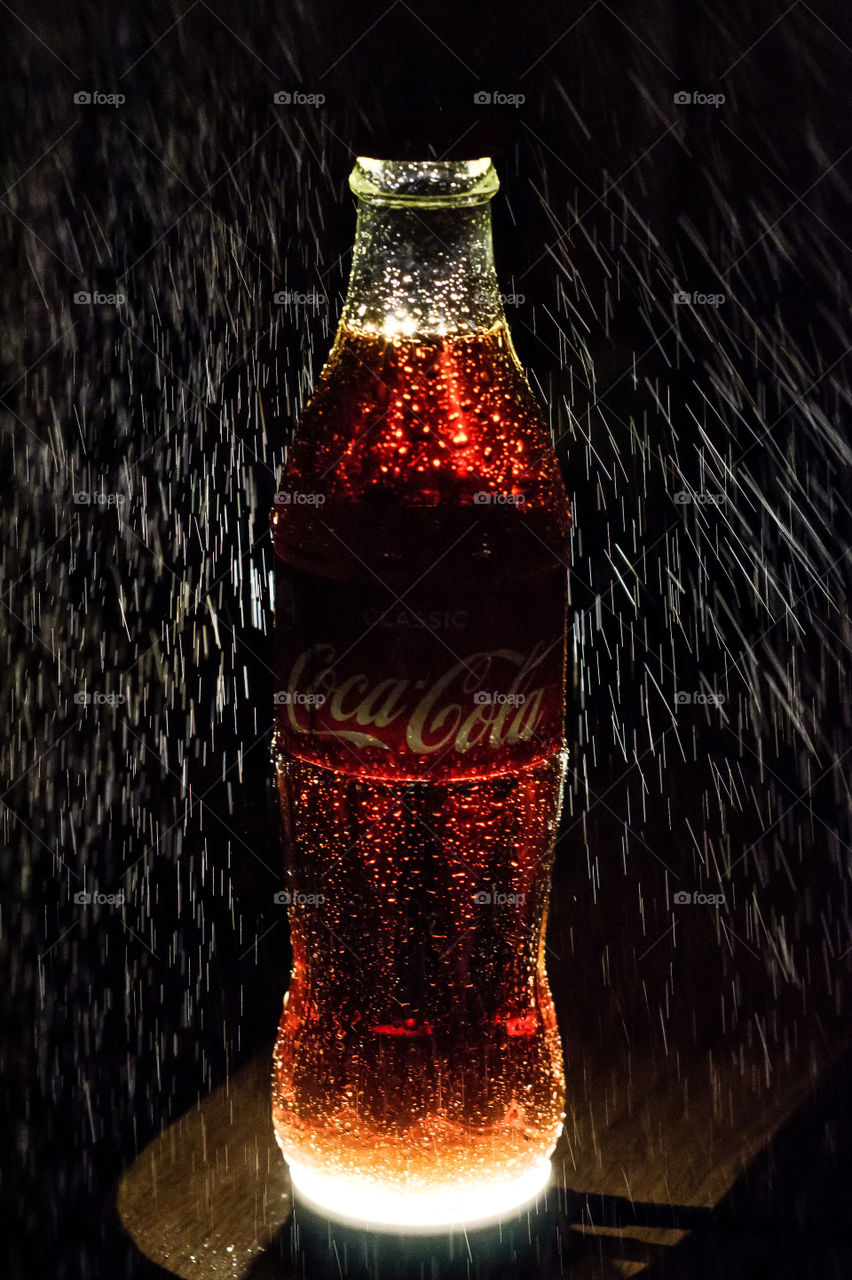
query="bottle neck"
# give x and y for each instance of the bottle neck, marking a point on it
(423, 261)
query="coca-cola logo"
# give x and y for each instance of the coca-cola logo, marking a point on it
(421, 716)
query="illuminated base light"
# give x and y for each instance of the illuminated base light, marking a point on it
(357, 1204)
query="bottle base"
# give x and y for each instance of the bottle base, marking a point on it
(375, 1208)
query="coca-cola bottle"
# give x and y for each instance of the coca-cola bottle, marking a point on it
(421, 536)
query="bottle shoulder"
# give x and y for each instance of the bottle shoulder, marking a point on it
(429, 422)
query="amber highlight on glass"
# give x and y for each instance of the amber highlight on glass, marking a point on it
(421, 538)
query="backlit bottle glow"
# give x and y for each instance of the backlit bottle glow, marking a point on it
(421, 546)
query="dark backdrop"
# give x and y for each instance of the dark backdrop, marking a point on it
(704, 444)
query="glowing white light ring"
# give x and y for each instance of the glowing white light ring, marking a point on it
(359, 1204)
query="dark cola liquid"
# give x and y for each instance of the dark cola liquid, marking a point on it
(420, 540)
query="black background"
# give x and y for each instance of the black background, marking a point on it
(197, 199)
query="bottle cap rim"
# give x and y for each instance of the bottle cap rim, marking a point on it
(431, 183)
